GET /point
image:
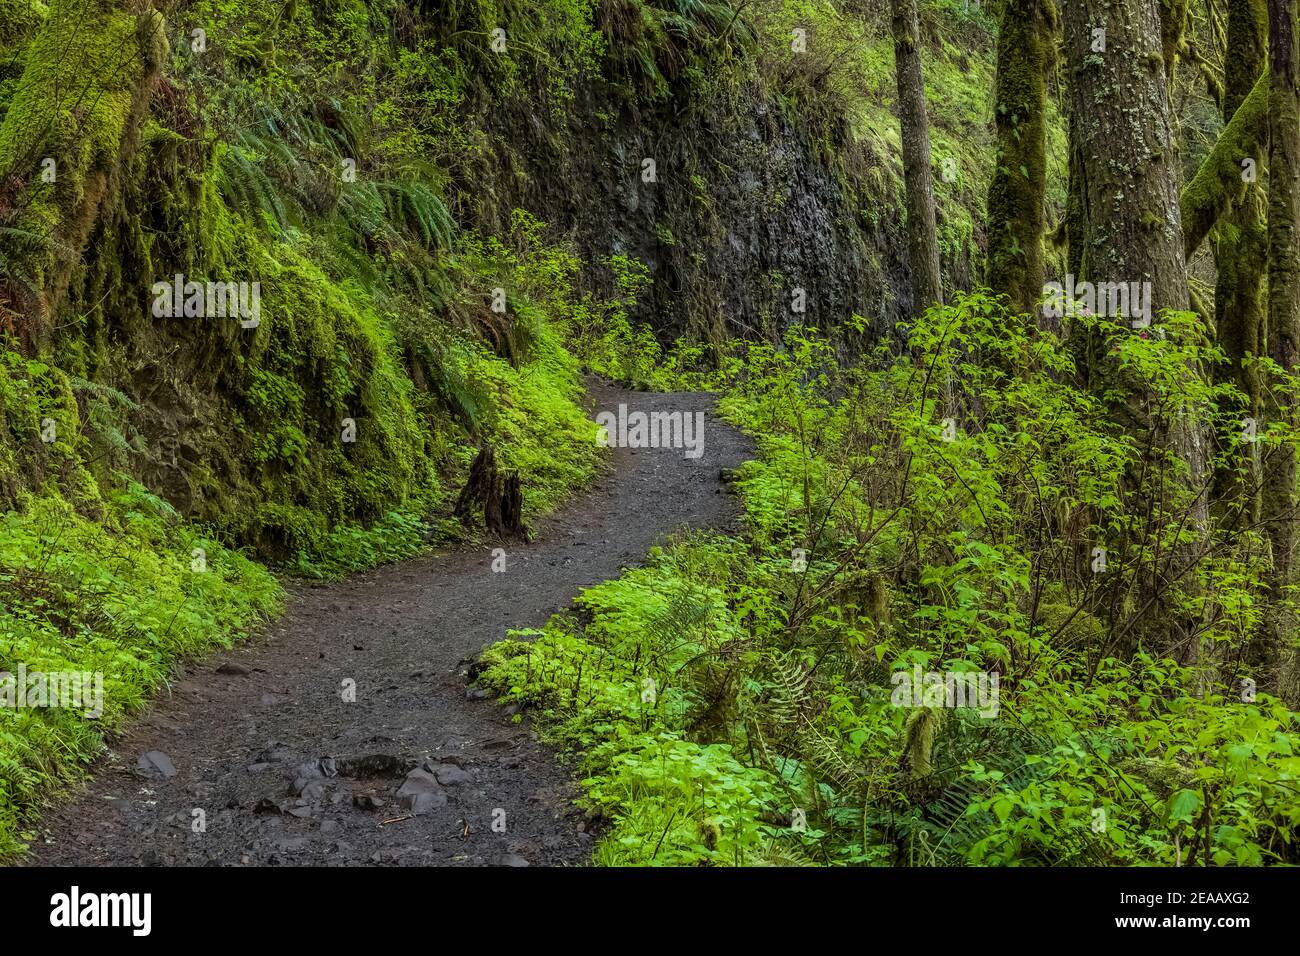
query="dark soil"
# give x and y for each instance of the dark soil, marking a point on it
(416, 770)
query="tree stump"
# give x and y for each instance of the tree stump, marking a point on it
(502, 498)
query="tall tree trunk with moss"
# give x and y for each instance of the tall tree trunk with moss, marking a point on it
(1017, 193)
(1240, 251)
(922, 234)
(1132, 227)
(1283, 319)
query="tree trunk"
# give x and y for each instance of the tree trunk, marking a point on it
(1283, 318)
(1017, 193)
(501, 498)
(1173, 17)
(1133, 230)
(1240, 255)
(922, 235)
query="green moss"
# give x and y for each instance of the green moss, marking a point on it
(19, 19)
(41, 433)
(80, 87)
(1218, 180)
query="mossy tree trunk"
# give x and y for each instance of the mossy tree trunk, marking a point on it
(1132, 227)
(1173, 19)
(1283, 318)
(1218, 180)
(1018, 190)
(922, 233)
(1240, 250)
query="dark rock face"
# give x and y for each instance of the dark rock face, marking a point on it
(742, 212)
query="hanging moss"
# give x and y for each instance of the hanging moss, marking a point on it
(1241, 251)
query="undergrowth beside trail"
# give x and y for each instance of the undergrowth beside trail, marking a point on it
(126, 599)
(937, 510)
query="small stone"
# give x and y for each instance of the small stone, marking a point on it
(275, 752)
(156, 764)
(450, 775)
(310, 789)
(420, 792)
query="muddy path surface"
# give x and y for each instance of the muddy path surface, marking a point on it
(418, 768)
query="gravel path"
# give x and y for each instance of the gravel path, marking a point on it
(420, 766)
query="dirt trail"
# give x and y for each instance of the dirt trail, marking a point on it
(269, 750)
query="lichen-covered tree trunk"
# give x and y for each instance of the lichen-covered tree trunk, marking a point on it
(1240, 249)
(922, 234)
(1017, 192)
(1133, 228)
(1283, 316)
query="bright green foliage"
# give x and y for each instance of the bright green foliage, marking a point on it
(630, 688)
(958, 546)
(126, 599)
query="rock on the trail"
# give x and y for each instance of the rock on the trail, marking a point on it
(449, 775)
(367, 801)
(156, 764)
(275, 752)
(316, 769)
(310, 789)
(420, 793)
